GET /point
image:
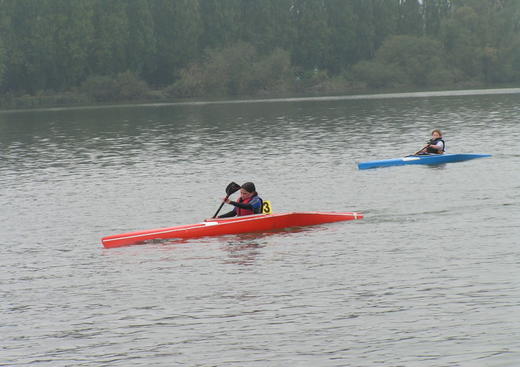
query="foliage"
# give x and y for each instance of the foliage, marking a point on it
(462, 42)
(405, 60)
(177, 28)
(123, 87)
(378, 75)
(233, 70)
(230, 47)
(2, 64)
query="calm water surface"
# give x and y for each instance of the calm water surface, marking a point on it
(430, 277)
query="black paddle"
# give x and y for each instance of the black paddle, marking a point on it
(426, 146)
(230, 189)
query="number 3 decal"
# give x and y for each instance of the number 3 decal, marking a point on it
(266, 207)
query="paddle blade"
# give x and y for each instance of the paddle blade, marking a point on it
(232, 188)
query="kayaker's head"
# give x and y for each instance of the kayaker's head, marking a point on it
(247, 190)
(436, 134)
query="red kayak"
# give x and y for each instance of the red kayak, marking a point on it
(235, 225)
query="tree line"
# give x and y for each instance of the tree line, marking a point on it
(109, 50)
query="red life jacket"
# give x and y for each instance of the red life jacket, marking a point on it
(241, 211)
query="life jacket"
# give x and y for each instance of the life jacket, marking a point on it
(434, 142)
(241, 212)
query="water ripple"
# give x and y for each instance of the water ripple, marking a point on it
(428, 278)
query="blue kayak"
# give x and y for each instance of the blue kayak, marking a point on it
(421, 159)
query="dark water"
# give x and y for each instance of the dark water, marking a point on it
(430, 277)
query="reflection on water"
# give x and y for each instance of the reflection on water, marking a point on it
(243, 248)
(242, 252)
(428, 277)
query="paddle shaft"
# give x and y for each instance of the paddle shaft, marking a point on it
(220, 207)
(419, 151)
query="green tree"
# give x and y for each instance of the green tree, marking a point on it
(72, 37)
(177, 29)
(220, 23)
(434, 11)
(460, 35)
(419, 58)
(27, 43)
(58, 44)
(120, 87)
(266, 24)
(234, 70)
(2, 57)
(342, 40)
(405, 60)
(109, 49)
(509, 43)
(141, 43)
(511, 62)
(312, 34)
(374, 21)
(410, 18)
(384, 20)
(2, 65)
(499, 39)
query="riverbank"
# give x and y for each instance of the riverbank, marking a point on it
(79, 99)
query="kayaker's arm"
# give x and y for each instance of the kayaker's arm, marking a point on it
(228, 214)
(438, 147)
(242, 206)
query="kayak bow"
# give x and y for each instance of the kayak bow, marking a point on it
(236, 225)
(421, 159)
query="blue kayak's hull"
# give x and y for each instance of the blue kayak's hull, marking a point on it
(421, 159)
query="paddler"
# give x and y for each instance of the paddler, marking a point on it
(248, 203)
(436, 145)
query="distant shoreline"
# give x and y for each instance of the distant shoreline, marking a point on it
(274, 99)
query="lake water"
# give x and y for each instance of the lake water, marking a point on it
(430, 276)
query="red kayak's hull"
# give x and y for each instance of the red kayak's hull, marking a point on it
(223, 226)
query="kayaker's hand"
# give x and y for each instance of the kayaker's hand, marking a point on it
(226, 200)
(434, 147)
